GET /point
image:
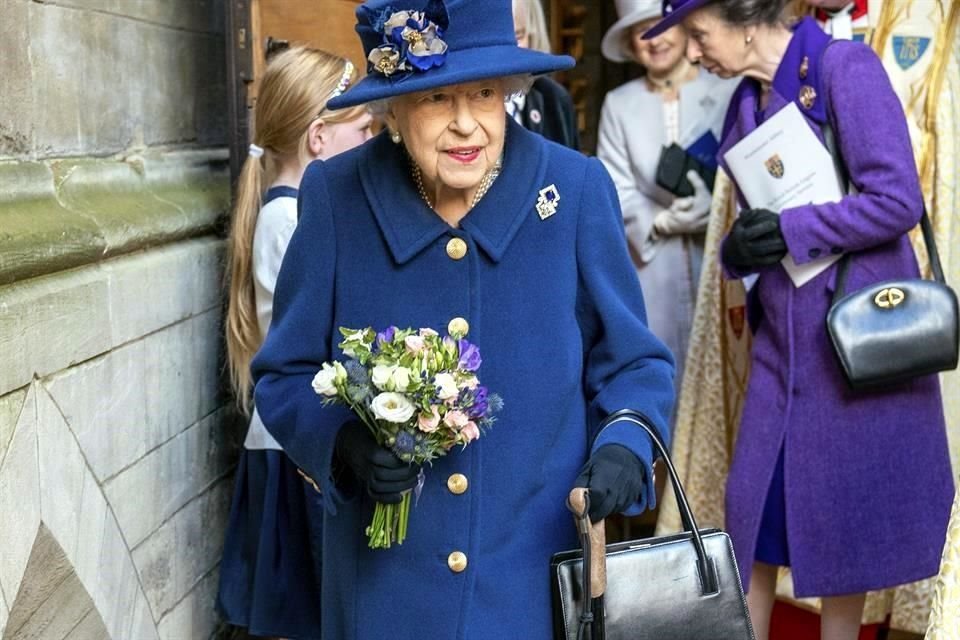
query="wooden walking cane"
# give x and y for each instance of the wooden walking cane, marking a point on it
(593, 539)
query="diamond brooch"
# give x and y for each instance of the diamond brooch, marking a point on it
(548, 201)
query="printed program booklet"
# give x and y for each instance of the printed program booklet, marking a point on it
(783, 164)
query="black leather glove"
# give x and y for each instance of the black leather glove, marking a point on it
(615, 477)
(755, 240)
(384, 474)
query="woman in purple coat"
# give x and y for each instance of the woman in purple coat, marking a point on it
(851, 490)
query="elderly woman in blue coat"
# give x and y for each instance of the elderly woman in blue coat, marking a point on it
(457, 218)
(851, 490)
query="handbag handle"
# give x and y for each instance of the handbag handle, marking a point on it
(708, 577)
(928, 239)
(830, 141)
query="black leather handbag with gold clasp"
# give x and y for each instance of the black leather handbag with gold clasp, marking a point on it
(684, 586)
(892, 331)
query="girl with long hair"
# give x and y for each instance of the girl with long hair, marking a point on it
(269, 581)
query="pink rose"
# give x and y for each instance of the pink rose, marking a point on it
(456, 419)
(470, 431)
(428, 332)
(429, 422)
(415, 344)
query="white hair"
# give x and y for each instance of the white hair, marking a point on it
(512, 86)
(536, 24)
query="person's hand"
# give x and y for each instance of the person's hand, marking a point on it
(615, 478)
(687, 215)
(755, 240)
(384, 474)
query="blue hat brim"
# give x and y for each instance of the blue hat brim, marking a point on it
(467, 65)
(674, 18)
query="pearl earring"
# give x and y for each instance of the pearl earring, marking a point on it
(749, 39)
(396, 137)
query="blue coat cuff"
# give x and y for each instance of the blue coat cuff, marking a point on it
(633, 438)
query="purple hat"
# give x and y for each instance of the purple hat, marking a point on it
(674, 11)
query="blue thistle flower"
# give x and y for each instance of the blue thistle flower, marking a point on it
(357, 374)
(405, 445)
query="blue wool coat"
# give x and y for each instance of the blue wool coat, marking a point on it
(556, 310)
(867, 477)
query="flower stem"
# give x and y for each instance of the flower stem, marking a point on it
(389, 523)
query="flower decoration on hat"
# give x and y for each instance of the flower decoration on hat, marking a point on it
(412, 40)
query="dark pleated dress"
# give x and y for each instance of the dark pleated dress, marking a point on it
(270, 572)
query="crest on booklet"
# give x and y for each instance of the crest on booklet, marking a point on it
(774, 165)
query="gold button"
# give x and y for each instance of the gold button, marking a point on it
(458, 327)
(457, 561)
(457, 483)
(456, 249)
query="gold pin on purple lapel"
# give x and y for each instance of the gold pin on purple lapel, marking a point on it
(804, 67)
(808, 95)
(548, 201)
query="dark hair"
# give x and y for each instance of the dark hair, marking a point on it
(749, 12)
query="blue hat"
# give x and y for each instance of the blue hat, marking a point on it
(674, 11)
(413, 45)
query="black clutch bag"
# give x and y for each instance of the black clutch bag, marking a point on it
(679, 586)
(893, 331)
(672, 170)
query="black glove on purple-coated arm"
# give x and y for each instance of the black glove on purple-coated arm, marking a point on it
(384, 474)
(755, 240)
(616, 479)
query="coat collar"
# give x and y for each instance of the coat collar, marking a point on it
(799, 71)
(409, 226)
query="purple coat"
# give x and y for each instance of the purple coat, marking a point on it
(868, 484)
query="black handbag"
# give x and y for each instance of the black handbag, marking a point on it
(893, 331)
(674, 164)
(684, 586)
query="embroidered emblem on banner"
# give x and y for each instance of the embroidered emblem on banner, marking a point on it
(548, 201)
(774, 166)
(738, 320)
(908, 49)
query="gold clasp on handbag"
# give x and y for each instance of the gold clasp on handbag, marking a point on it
(889, 298)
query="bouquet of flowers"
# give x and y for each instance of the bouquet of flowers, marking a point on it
(419, 395)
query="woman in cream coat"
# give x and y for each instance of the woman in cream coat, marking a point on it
(673, 102)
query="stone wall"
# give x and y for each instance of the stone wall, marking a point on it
(117, 442)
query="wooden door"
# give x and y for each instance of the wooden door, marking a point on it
(252, 24)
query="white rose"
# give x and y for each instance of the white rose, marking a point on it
(393, 407)
(401, 378)
(381, 376)
(447, 386)
(324, 382)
